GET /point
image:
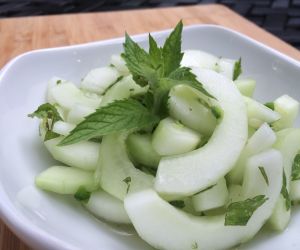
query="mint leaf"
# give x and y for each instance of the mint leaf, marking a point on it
(171, 50)
(138, 62)
(237, 69)
(127, 180)
(184, 75)
(264, 174)
(82, 194)
(177, 203)
(270, 105)
(239, 213)
(155, 54)
(49, 115)
(121, 115)
(296, 168)
(285, 192)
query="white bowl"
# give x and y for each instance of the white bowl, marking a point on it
(48, 221)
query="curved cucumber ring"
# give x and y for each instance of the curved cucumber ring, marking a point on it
(166, 227)
(118, 176)
(188, 173)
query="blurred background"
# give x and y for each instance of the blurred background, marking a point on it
(280, 17)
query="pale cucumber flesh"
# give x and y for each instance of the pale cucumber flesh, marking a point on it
(214, 197)
(82, 155)
(99, 79)
(169, 131)
(165, 227)
(261, 140)
(188, 173)
(66, 180)
(123, 89)
(107, 207)
(246, 86)
(141, 150)
(115, 167)
(184, 105)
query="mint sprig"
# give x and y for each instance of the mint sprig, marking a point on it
(159, 68)
(121, 115)
(239, 213)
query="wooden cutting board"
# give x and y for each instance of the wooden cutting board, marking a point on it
(18, 35)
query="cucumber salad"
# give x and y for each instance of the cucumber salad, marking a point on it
(174, 143)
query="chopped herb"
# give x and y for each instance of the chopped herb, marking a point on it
(131, 90)
(217, 112)
(237, 69)
(49, 115)
(127, 180)
(82, 194)
(58, 82)
(285, 192)
(239, 213)
(195, 245)
(270, 105)
(177, 203)
(264, 174)
(296, 168)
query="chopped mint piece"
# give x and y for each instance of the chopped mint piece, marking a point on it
(239, 213)
(270, 105)
(177, 203)
(285, 192)
(82, 194)
(296, 168)
(264, 174)
(127, 180)
(217, 112)
(237, 69)
(195, 245)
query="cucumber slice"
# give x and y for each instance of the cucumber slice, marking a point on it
(261, 140)
(280, 216)
(67, 95)
(199, 59)
(115, 168)
(66, 180)
(123, 89)
(82, 155)
(107, 207)
(225, 67)
(169, 131)
(99, 79)
(259, 113)
(165, 227)
(120, 64)
(288, 109)
(63, 128)
(235, 193)
(185, 107)
(141, 150)
(214, 197)
(246, 86)
(54, 81)
(78, 112)
(295, 190)
(288, 143)
(187, 174)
